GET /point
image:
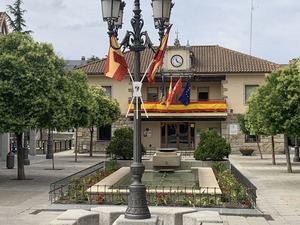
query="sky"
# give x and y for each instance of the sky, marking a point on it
(75, 27)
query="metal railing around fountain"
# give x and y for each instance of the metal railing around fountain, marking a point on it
(61, 187)
(156, 195)
(250, 187)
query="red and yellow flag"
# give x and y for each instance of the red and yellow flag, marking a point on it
(176, 91)
(115, 65)
(158, 59)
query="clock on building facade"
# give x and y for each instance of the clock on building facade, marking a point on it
(177, 61)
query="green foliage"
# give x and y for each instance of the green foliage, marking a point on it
(212, 146)
(78, 188)
(16, 17)
(92, 59)
(111, 165)
(275, 108)
(121, 144)
(31, 76)
(242, 123)
(234, 192)
(80, 98)
(102, 110)
(219, 167)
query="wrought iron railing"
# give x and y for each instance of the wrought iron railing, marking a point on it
(250, 187)
(61, 187)
(156, 195)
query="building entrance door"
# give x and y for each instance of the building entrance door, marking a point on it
(179, 135)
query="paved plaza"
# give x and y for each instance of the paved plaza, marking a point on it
(19, 200)
(26, 202)
(278, 191)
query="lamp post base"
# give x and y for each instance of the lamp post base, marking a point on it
(137, 202)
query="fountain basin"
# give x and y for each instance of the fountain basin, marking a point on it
(198, 180)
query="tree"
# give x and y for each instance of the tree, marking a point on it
(242, 121)
(28, 78)
(80, 102)
(16, 17)
(92, 59)
(256, 117)
(102, 111)
(58, 114)
(278, 100)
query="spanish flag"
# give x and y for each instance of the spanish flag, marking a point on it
(115, 65)
(158, 59)
(176, 91)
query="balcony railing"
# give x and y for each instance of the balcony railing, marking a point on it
(208, 106)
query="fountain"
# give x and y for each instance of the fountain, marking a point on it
(166, 158)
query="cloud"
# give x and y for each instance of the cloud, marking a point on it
(75, 27)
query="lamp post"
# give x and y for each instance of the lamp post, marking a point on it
(137, 41)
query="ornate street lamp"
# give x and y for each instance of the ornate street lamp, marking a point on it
(137, 41)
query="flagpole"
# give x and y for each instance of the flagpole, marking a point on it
(147, 70)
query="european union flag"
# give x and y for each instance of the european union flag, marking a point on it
(185, 96)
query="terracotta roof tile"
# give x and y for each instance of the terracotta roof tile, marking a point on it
(207, 60)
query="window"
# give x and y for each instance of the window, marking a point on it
(107, 90)
(249, 89)
(203, 94)
(251, 138)
(152, 94)
(104, 133)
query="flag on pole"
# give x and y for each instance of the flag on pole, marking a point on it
(158, 59)
(186, 94)
(176, 90)
(115, 65)
(162, 89)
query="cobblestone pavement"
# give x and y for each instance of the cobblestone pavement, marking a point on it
(278, 191)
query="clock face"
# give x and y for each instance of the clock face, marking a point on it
(177, 61)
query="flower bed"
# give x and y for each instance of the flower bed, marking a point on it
(234, 195)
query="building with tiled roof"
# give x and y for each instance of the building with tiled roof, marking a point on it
(3, 23)
(221, 82)
(207, 60)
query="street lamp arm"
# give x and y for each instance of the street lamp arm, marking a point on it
(148, 41)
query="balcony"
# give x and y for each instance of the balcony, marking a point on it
(209, 107)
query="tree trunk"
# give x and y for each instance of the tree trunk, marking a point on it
(53, 162)
(287, 154)
(273, 150)
(49, 145)
(258, 146)
(41, 140)
(91, 141)
(76, 144)
(21, 172)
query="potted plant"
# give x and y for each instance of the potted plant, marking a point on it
(246, 151)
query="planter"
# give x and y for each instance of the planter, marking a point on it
(246, 151)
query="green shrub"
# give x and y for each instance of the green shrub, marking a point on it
(219, 167)
(121, 144)
(212, 147)
(111, 165)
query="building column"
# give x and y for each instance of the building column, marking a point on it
(4, 145)
(32, 142)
